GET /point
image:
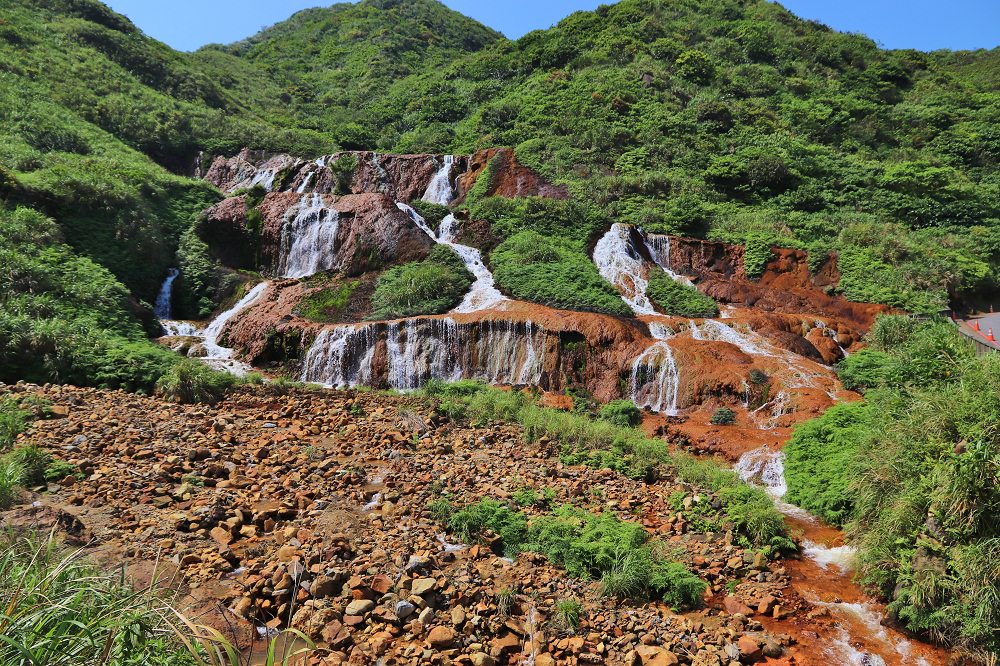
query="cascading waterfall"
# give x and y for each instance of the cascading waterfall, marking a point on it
(658, 246)
(341, 356)
(619, 263)
(440, 191)
(655, 379)
(163, 300)
(305, 182)
(308, 238)
(217, 355)
(483, 294)
(504, 352)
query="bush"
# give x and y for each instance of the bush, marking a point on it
(723, 416)
(11, 474)
(621, 413)
(432, 286)
(33, 461)
(819, 461)
(679, 299)
(544, 270)
(474, 523)
(431, 212)
(192, 381)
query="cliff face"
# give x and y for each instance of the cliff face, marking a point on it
(785, 286)
(346, 215)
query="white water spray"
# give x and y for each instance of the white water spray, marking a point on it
(440, 191)
(308, 238)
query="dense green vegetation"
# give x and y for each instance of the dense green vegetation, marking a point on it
(914, 473)
(536, 268)
(432, 286)
(619, 553)
(64, 317)
(326, 304)
(601, 443)
(679, 299)
(719, 117)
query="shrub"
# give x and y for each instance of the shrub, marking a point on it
(33, 462)
(819, 461)
(432, 286)
(473, 523)
(723, 416)
(431, 212)
(567, 614)
(622, 413)
(535, 268)
(192, 381)
(679, 299)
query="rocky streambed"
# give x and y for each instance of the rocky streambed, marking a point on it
(312, 510)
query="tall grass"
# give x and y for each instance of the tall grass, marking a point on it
(56, 609)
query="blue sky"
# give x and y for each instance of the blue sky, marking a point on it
(919, 24)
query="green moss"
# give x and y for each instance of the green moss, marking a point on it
(432, 286)
(325, 305)
(534, 268)
(678, 299)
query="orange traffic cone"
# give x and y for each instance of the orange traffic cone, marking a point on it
(989, 336)
(975, 324)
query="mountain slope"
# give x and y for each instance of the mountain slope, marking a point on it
(734, 119)
(336, 61)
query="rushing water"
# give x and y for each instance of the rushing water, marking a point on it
(221, 357)
(619, 263)
(162, 308)
(440, 190)
(858, 622)
(483, 294)
(308, 238)
(658, 246)
(418, 349)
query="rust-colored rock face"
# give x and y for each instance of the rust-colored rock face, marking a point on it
(510, 178)
(785, 286)
(371, 232)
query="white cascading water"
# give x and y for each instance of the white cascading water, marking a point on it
(654, 382)
(305, 182)
(222, 357)
(341, 356)
(308, 238)
(658, 246)
(162, 308)
(440, 191)
(483, 294)
(619, 263)
(503, 352)
(766, 468)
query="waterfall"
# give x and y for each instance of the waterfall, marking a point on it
(713, 329)
(658, 246)
(483, 294)
(305, 182)
(619, 263)
(655, 379)
(162, 308)
(211, 343)
(308, 238)
(766, 468)
(503, 352)
(440, 191)
(341, 356)
(264, 178)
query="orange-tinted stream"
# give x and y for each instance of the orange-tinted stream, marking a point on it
(846, 624)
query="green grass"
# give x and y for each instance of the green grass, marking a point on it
(820, 461)
(600, 443)
(678, 299)
(532, 267)
(432, 286)
(621, 413)
(13, 421)
(192, 381)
